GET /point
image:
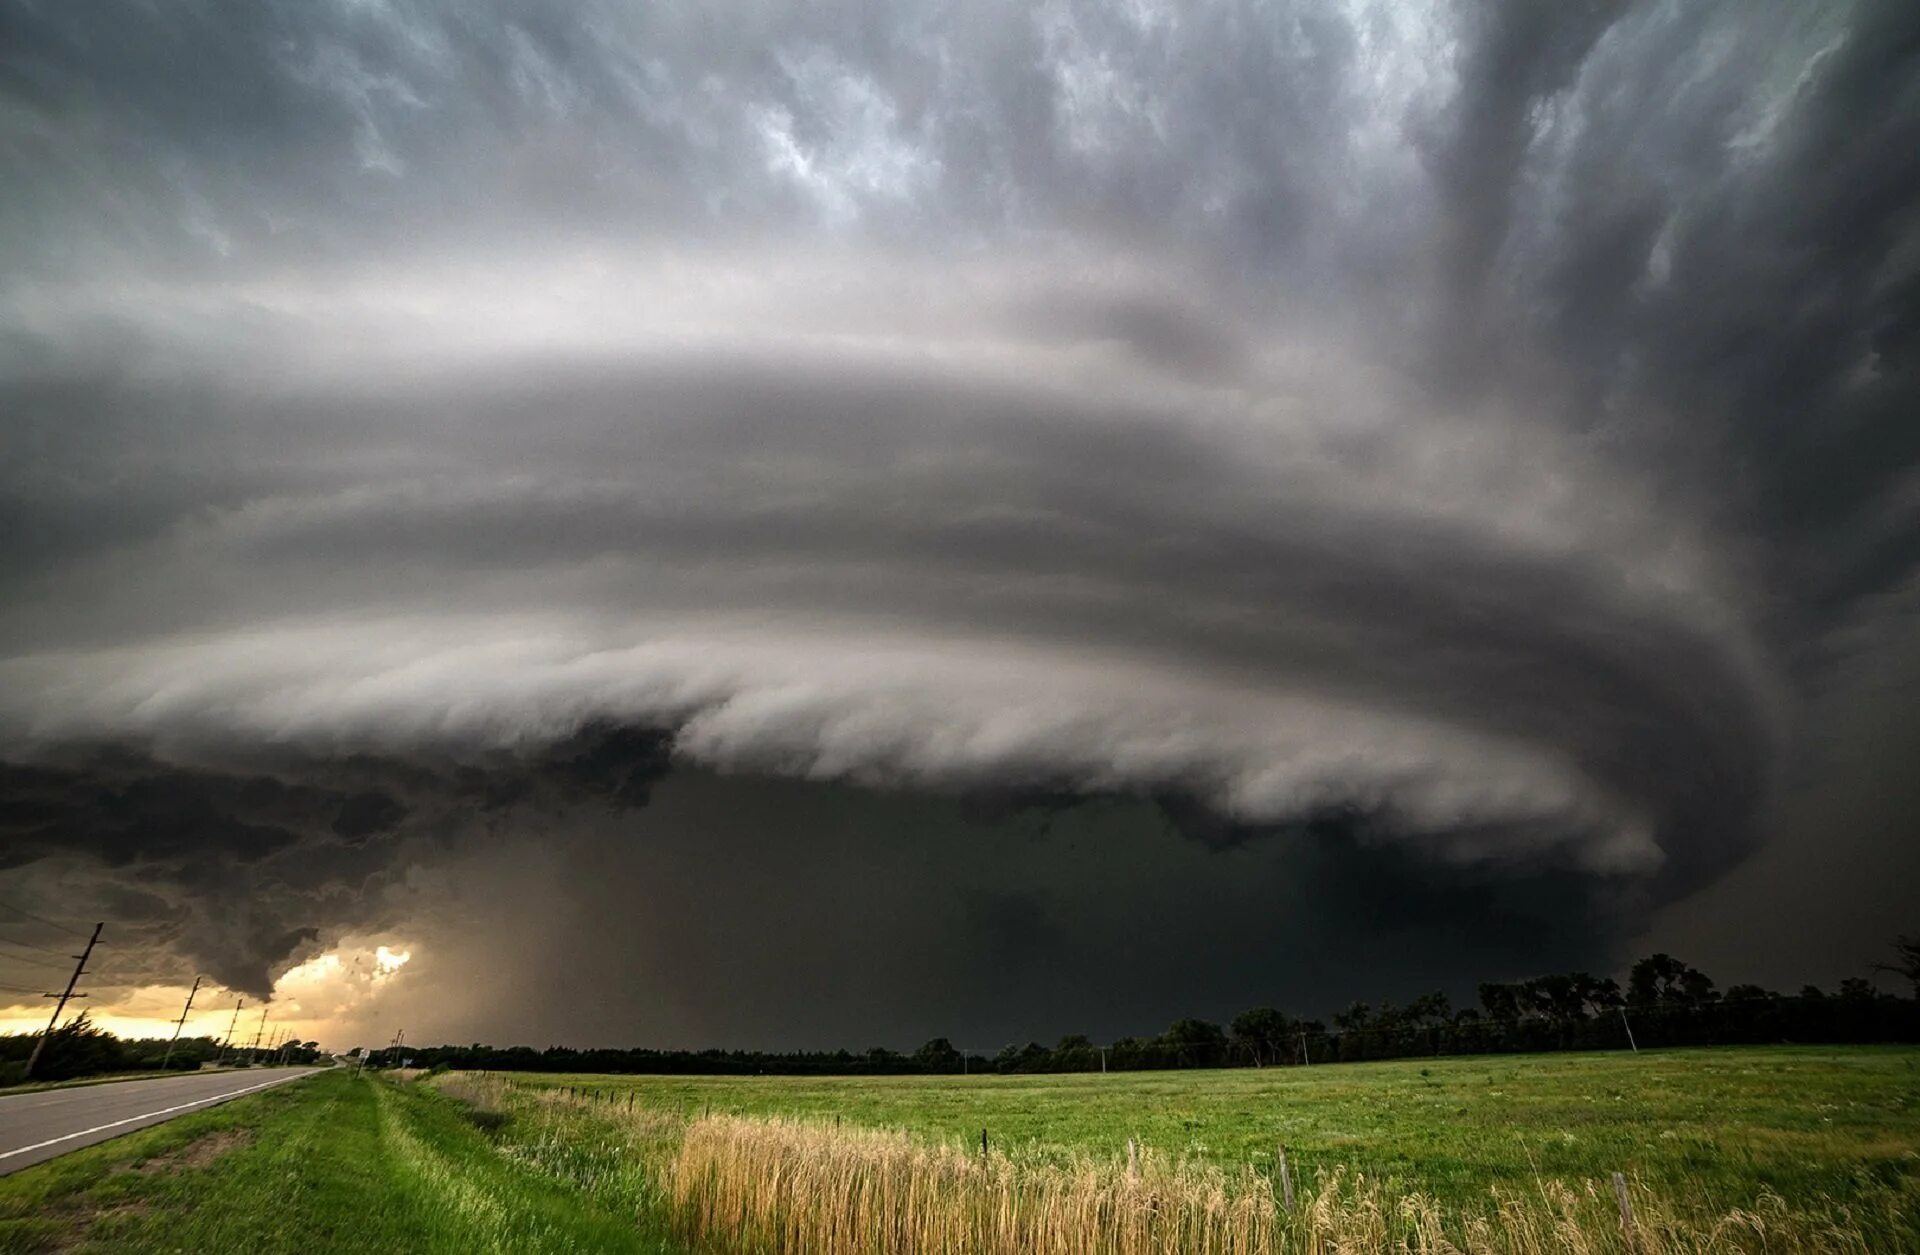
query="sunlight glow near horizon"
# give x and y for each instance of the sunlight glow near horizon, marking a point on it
(320, 999)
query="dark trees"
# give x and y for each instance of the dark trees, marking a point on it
(1262, 1034)
(1906, 964)
(1663, 979)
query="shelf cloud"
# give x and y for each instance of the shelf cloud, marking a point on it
(1475, 436)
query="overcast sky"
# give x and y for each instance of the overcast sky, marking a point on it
(758, 525)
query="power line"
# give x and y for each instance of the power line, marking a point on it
(41, 919)
(131, 980)
(28, 945)
(4, 958)
(144, 1010)
(21, 958)
(20, 989)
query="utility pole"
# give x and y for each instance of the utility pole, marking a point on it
(180, 1024)
(79, 967)
(227, 1041)
(261, 1028)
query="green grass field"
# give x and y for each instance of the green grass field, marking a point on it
(1707, 1125)
(342, 1162)
(337, 1163)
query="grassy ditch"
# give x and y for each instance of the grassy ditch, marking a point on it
(335, 1163)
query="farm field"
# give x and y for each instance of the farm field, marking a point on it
(1710, 1126)
(1762, 1149)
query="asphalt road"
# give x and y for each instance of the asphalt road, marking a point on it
(49, 1122)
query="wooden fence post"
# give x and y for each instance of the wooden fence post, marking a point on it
(1626, 1213)
(1286, 1179)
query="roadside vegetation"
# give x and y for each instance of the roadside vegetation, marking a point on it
(80, 1048)
(335, 1163)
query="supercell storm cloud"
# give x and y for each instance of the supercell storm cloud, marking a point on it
(1480, 437)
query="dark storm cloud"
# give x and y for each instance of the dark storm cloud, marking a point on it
(238, 868)
(1461, 436)
(223, 869)
(895, 919)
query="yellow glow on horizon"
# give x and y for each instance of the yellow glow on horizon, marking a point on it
(133, 1013)
(317, 999)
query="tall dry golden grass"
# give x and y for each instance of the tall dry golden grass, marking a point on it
(779, 1186)
(789, 1187)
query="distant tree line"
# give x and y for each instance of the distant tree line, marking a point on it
(81, 1048)
(1665, 1003)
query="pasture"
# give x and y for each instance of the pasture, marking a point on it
(1705, 1130)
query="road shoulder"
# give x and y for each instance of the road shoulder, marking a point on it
(334, 1163)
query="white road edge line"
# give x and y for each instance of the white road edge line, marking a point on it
(101, 1128)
